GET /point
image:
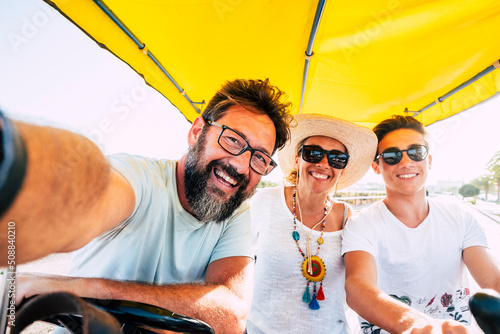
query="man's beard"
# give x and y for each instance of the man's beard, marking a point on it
(210, 204)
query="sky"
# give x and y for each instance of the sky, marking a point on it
(53, 74)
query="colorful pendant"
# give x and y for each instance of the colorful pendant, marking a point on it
(318, 269)
(313, 267)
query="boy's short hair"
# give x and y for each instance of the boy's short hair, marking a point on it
(397, 122)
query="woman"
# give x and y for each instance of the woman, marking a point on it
(299, 273)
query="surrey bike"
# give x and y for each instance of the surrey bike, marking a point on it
(96, 316)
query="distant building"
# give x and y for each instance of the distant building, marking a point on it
(446, 187)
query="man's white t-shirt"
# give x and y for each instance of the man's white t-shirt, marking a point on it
(160, 242)
(420, 266)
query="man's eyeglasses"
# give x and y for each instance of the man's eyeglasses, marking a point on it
(233, 143)
(314, 154)
(393, 156)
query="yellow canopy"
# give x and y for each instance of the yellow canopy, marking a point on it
(360, 60)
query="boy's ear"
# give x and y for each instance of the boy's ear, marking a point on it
(195, 130)
(376, 168)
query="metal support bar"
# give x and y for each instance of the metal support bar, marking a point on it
(478, 76)
(142, 46)
(309, 52)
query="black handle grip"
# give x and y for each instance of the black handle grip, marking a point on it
(485, 306)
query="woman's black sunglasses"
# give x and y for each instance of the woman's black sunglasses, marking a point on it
(393, 156)
(314, 154)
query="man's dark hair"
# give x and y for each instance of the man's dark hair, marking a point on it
(257, 94)
(397, 122)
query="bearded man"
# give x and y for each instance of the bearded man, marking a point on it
(175, 234)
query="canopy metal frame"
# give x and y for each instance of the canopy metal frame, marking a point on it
(142, 46)
(309, 53)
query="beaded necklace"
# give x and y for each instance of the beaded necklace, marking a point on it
(313, 268)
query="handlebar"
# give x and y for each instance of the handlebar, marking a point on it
(485, 306)
(86, 315)
(140, 314)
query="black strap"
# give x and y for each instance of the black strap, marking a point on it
(87, 318)
(13, 161)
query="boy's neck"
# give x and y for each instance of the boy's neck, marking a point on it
(411, 210)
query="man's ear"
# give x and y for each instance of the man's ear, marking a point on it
(195, 130)
(376, 168)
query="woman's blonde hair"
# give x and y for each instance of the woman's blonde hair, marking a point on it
(293, 177)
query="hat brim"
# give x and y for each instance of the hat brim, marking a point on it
(360, 142)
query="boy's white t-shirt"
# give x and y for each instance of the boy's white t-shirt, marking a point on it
(420, 266)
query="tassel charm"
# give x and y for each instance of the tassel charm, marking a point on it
(314, 305)
(306, 298)
(320, 295)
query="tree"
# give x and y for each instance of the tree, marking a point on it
(483, 182)
(494, 167)
(265, 184)
(468, 190)
(495, 160)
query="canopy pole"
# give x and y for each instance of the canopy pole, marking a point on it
(145, 50)
(478, 76)
(309, 51)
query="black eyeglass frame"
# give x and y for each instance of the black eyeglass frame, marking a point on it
(335, 153)
(399, 154)
(272, 163)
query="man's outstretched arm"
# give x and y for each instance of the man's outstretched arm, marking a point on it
(69, 195)
(223, 300)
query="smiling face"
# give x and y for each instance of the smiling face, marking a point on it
(319, 177)
(407, 177)
(217, 182)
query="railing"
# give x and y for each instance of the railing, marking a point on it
(359, 200)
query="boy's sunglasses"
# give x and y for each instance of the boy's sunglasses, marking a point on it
(314, 154)
(393, 156)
